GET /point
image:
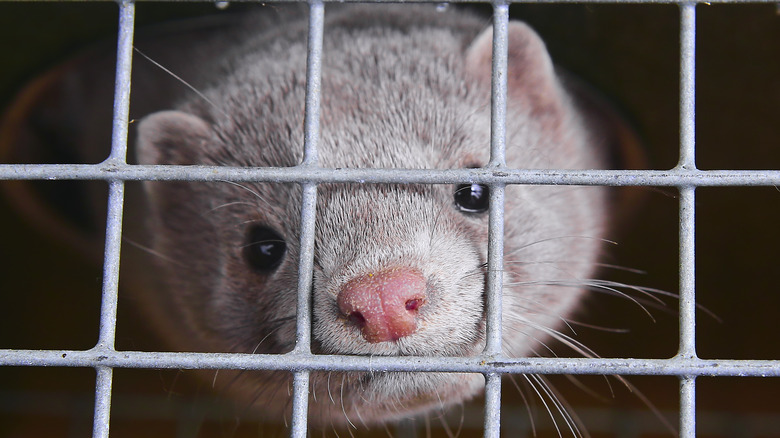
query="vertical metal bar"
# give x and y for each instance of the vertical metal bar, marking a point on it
(309, 197)
(313, 82)
(300, 404)
(492, 405)
(300, 400)
(116, 188)
(687, 85)
(497, 146)
(494, 308)
(116, 194)
(108, 309)
(305, 268)
(687, 194)
(496, 224)
(495, 277)
(308, 213)
(102, 418)
(688, 407)
(499, 75)
(122, 82)
(687, 237)
(687, 348)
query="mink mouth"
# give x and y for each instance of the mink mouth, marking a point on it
(367, 379)
(471, 347)
(410, 391)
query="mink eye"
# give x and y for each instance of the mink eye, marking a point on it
(264, 248)
(472, 198)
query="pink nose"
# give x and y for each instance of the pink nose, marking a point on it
(384, 305)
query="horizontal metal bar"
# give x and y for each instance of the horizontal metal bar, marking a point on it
(671, 178)
(478, 364)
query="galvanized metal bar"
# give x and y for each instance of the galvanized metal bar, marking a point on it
(495, 250)
(495, 272)
(121, 117)
(688, 407)
(687, 231)
(108, 310)
(101, 419)
(300, 404)
(499, 85)
(492, 418)
(305, 269)
(116, 187)
(495, 275)
(659, 178)
(309, 192)
(311, 123)
(687, 85)
(477, 364)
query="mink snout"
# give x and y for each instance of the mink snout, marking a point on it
(385, 305)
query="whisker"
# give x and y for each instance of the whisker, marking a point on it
(584, 388)
(646, 401)
(545, 386)
(330, 395)
(314, 382)
(230, 204)
(387, 430)
(550, 239)
(479, 271)
(574, 262)
(254, 350)
(526, 402)
(596, 286)
(244, 187)
(343, 408)
(597, 327)
(544, 403)
(462, 421)
(535, 339)
(434, 225)
(566, 409)
(155, 253)
(567, 340)
(185, 83)
(249, 344)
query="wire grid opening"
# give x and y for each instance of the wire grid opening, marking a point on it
(685, 177)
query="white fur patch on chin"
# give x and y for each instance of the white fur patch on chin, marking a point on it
(399, 395)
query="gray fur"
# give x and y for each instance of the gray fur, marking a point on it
(402, 87)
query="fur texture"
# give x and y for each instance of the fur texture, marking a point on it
(403, 88)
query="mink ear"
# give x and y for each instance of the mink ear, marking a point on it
(171, 137)
(531, 77)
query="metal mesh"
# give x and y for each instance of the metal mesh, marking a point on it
(115, 170)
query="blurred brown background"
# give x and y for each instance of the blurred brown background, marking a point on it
(50, 296)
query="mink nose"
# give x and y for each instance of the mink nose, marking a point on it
(384, 305)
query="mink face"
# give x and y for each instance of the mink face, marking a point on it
(399, 269)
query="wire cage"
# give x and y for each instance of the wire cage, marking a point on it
(683, 182)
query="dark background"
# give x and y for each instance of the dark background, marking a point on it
(50, 295)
